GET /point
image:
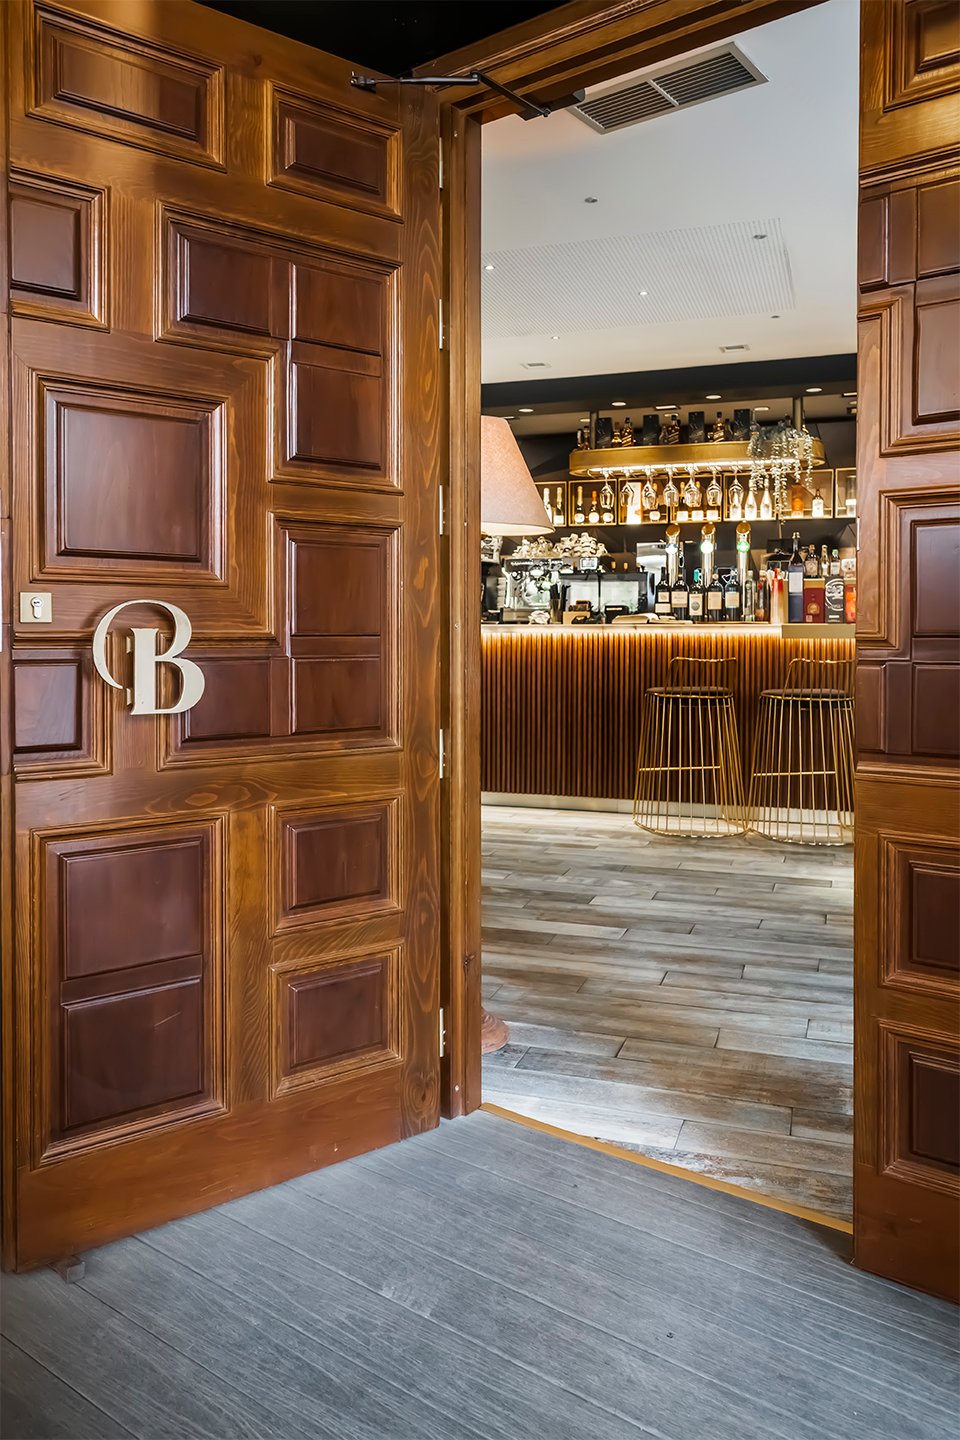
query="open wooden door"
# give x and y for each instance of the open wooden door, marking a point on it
(224, 300)
(907, 1090)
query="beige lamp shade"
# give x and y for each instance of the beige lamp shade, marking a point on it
(509, 501)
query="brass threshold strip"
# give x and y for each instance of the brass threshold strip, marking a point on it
(769, 1201)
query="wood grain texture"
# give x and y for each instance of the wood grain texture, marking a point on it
(271, 368)
(482, 1281)
(695, 1044)
(561, 708)
(906, 1172)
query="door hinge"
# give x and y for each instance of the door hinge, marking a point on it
(441, 754)
(442, 336)
(443, 1035)
(440, 165)
(440, 518)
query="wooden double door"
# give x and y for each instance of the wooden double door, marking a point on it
(224, 371)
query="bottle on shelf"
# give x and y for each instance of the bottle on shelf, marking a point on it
(816, 509)
(731, 597)
(695, 605)
(761, 609)
(811, 565)
(835, 566)
(607, 503)
(824, 561)
(593, 515)
(559, 518)
(662, 605)
(750, 511)
(680, 595)
(546, 503)
(766, 504)
(795, 583)
(850, 595)
(748, 597)
(578, 516)
(714, 599)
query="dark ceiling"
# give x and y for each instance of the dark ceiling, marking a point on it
(391, 37)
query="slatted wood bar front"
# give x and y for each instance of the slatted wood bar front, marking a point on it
(561, 704)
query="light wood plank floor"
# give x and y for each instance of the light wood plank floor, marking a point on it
(689, 999)
(481, 1282)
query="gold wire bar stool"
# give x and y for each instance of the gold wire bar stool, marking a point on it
(689, 780)
(801, 780)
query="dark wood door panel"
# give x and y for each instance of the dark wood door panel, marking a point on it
(907, 983)
(225, 314)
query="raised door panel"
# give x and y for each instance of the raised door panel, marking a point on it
(133, 1021)
(910, 74)
(57, 249)
(336, 862)
(322, 151)
(335, 1018)
(60, 723)
(99, 80)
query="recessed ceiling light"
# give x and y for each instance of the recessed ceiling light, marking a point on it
(554, 337)
(525, 410)
(760, 235)
(509, 417)
(584, 420)
(774, 317)
(619, 404)
(489, 267)
(713, 397)
(589, 199)
(664, 407)
(814, 389)
(849, 394)
(641, 292)
(757, 408)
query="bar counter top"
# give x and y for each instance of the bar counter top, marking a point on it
(682, 627)
(560, 704)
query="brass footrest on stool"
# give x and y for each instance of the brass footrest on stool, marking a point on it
(689, 779)
(801, 776)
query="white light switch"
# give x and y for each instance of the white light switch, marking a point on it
(36, 607)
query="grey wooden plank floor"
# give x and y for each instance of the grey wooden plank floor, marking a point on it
(483, 1280)
(687, 999)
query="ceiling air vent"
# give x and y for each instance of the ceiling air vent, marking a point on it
(674, 87)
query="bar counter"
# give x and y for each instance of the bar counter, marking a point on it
(560, 704)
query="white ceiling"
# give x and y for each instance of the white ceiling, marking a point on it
(679, 199)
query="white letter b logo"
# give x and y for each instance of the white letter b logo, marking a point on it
(146, 660)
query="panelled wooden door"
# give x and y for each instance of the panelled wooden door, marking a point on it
(225, 395)
(907, 1091)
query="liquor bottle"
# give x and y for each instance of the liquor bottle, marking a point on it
(578, 515)
(817, 507)
(593, 515)
(607, 502)
(662, 603)
(835, 567)
(731, 598)
(559, 518)
(795, 583)
(811, 565)
(680, 595)
(766, 504)
(761, 610)
(695, 607)
(715, 599)
(750, 508)
(546, 502)
(749, 598)
(824, 561)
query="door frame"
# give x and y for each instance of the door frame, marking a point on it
(579, 44)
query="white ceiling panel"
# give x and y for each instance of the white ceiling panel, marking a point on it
(576, 223)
